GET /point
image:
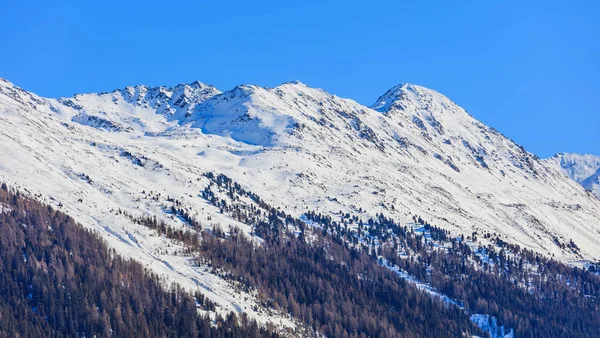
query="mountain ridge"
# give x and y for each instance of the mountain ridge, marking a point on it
(418, 151)
(110, 161)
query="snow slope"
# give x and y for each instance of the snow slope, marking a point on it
(95, 173)
(584, 169)
(412, 152)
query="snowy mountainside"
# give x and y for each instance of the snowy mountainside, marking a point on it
(413, 152)
(101, 180)
(583, 169)
(138, 108)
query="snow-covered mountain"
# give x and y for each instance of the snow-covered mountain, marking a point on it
(584, 169)
(412, 152)
(138, 107)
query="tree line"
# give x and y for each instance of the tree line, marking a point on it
(58, 279)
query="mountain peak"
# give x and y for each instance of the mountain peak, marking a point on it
(416, 100)
(175, 103)
(293, 82)
(198, 84)
(390, 99)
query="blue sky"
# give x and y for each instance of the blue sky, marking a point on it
(528, 68)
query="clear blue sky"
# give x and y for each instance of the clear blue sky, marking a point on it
(530, 70)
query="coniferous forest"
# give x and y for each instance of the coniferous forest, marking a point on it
(59, 280)
(331, 275)
(532, 294)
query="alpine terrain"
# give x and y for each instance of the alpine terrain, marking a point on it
(584, 169)
(313, 215)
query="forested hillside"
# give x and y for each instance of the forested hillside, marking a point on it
(339, 276)
(59, 280)
(531, 294)
(349, 276)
